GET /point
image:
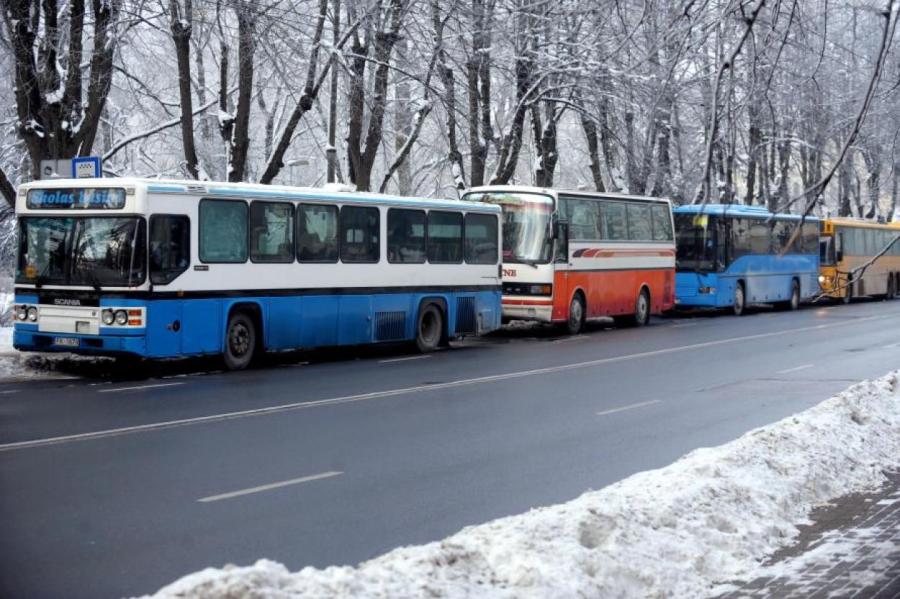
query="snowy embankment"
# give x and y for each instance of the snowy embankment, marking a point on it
(681, 531)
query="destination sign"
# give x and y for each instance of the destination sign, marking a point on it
(75, 199)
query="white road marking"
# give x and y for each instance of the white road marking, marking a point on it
(406, 359)
(795, 368)
(890, 346)
(572, 338)
(301, 405)
(117, 389)
(631, 407)
(269, 487)
(10, 391)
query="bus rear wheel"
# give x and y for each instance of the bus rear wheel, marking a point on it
(740, 300)
(240, 341)
(641, 314)
(429, 329)
(794, 302)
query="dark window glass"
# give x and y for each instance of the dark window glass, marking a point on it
(810, 234)
(406, 236)
(781, 236)
(696, 243)
(170, 247)
(271, 232)
(750, 236)
(359, 234)
(639, 228)
(615, 221)
(223, 231)
(317, 233)
(662, 223)
(481, 239)
(91, 251)
(583, 217)
(445, 237)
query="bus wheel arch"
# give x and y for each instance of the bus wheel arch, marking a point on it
(431, 324)
(243, 335)
(577, 312)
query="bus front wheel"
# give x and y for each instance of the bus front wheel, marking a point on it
(240, 341)
(739, 300)
(576, 315)
(429, 328)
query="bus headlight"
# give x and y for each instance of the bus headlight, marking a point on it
(541, 290)
(32, 314)
(821, 279)
(121, 317)
(108, 317)
(21, 312)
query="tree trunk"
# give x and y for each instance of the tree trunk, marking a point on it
(246, 47)
(181, 36)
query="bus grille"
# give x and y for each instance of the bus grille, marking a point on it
(465, 315)
(390, 326)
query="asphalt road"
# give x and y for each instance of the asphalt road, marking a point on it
(112, 487)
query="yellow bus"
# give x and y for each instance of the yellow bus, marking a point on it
(845, 246)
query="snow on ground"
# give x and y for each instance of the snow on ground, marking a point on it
(686, 530)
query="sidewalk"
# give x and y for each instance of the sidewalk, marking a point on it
(851, 549)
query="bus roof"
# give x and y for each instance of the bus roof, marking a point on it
(253, 190)
(557, 192)
(738, 210)
(857, 222)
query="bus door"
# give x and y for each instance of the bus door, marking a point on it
(559, 231)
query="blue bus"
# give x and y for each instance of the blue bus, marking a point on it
(162, 269)
(734, 256)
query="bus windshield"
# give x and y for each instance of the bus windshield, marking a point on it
(826, 251)
(695, 236)
(90, 251)
(526, 225)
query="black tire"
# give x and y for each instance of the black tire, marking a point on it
(240, 341)
(848, 293)
(740, 300)
(793, 303)
(429, 328)
(641, 314)
(575, 322)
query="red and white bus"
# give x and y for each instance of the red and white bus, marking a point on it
(571, 256)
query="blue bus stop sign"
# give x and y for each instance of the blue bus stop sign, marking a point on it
(86, 167)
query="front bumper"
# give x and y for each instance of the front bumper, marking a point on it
(86, 344)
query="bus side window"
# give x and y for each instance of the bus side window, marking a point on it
(170, 247)
(481, 239)
(359, 234)
(662, 224)
(317, 233)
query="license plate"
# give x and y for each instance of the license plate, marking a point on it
(66, 341)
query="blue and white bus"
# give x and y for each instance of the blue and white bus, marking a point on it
(163, 269)
(733, 256)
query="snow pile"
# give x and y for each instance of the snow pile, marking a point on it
(703, 521)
